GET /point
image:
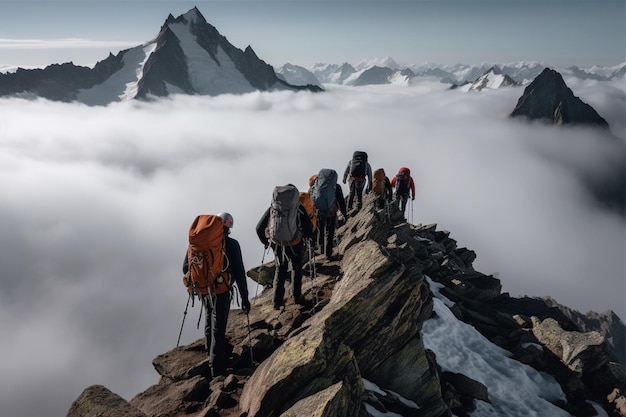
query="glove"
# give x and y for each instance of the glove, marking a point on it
(413, 198)
(245, 306)
(344, 181)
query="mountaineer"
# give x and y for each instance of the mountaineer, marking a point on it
(284, 226)
(212, 264)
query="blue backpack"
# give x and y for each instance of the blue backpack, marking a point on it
(323, 194)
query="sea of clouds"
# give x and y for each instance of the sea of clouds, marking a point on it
(96, 203)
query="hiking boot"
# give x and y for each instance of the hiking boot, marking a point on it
(279, 306)
(300, 300)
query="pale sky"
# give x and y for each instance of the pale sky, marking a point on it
(555, 32)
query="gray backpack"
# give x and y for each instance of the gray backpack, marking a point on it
(323, 193)
(284, 222)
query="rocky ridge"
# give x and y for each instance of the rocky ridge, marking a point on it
(356, 348)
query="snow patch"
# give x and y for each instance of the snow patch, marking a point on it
(515, 389)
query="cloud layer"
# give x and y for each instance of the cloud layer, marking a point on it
(96, 202)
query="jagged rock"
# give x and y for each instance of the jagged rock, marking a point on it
(461, 391)
(305, 365)
(617, 398)
(182, 362)
(579, 351)
(97, 400)
(370, 283)
(263, 274)
(171, 398)
(608, 324)
(329, 402)
(548, 98)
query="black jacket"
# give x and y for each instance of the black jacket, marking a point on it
(341, 201)
(305, 224)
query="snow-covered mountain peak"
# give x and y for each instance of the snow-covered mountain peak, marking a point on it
(491, 79)
(192, 16)
(188, 56)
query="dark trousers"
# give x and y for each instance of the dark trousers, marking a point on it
(326, 233)
(356, 189)
(381, 201)
(402, 200)
(215, 329)
(284, 255)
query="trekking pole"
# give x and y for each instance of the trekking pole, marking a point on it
(250, 340)
(183, 323)
(411, 211)
(203, 301)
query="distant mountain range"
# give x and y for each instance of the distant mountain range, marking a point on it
(189, 56)
(387, 71)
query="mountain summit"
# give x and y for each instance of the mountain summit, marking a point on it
(548, 98)
(188, 56)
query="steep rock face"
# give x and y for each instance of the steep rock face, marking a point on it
(99, 401)
(188, 56)
(356, 347)
(166, 65)
(58, 82)
(393, 297)
(549, 99)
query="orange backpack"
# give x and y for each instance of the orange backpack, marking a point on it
(206, 256)
(378, 183)
(307, 203)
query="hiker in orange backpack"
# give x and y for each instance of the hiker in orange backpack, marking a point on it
(284, 226)
(357, 172)
(216, 263)
(381, 187)
(307, 203)
(403, 185)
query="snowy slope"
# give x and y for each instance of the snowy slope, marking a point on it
(515, 389)
(207, 75)
(122, 85)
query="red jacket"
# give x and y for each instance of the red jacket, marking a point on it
(411, 182)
